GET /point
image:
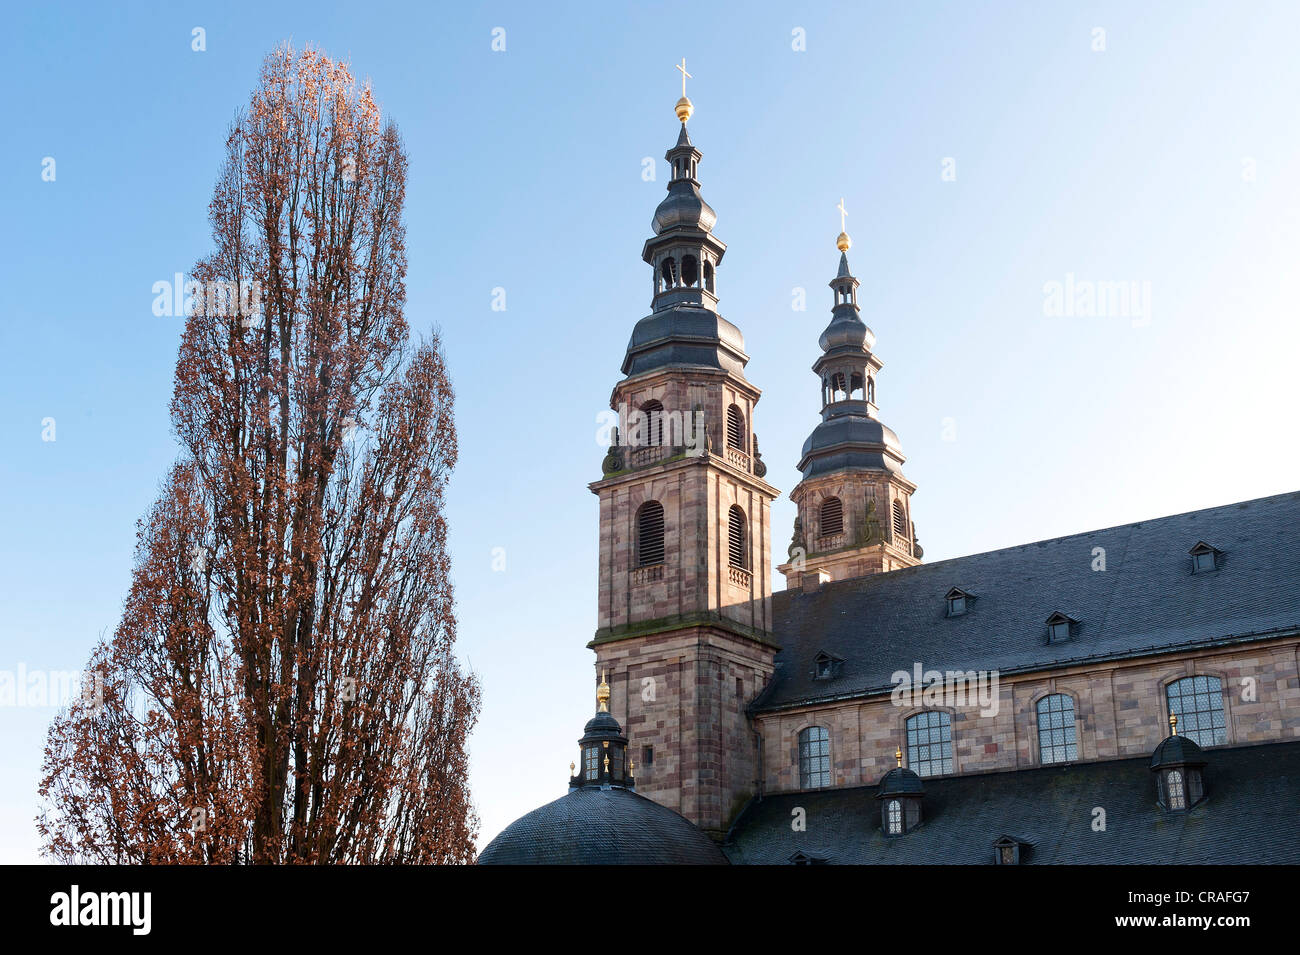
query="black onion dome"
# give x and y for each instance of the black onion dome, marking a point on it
(596, 826)
(849, 438)
(683, 208)
(900, 781)
(847, 330)
(685, 336)
(1177, 751)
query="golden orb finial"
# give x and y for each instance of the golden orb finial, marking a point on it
(1173, 723)
(602, 694)
(842, 241)
(684, 107)
(898, 755)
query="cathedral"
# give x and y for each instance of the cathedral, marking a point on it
(1127, 695)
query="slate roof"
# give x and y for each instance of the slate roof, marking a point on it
(594, 826)
(1147, 600)
(1249, 816)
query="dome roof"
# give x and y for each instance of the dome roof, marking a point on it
(597, 826)
(1177, 751)
(900, 781)
(847, 330)
(683, 208)
(601, 725)
(685, 335)
(848, 439)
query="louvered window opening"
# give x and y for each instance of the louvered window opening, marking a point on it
(654, 423)
(735, 429)
(736, 538)
(900, 521)
(832, 519)
(650, 534)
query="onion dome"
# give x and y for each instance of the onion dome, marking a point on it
(684, 330)
(683, 207)
(850, 436)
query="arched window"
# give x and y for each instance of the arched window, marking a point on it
(1174, 790)
(900, 521)
(871, 390)
(708, 276)
(814, 758)
(690, 271)
(894, 818)
(1056, 735)
(832, 516)
(737, 552)
(650, 534)
(1197, 701)
(654, 423)
(735, 428)
(929, 743)
(668, 272)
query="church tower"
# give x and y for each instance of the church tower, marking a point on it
(685, 583)
(855, 505)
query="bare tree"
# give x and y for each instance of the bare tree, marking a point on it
(282, 686)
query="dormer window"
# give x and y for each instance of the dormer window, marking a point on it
(1008, 850)
(1204, 558)
(1179, 767)
(826, 666)
(804, 858)
(1060, 627)
(958, 601)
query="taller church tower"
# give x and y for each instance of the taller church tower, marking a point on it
(685, 611)
(855, 505)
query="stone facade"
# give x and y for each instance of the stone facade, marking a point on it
(1120, 711)
(686, 643)
(681, 696)
(867, 542)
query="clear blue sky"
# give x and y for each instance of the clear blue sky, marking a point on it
(1121, 166)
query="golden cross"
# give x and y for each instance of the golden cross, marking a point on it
(685, 75)
(843, 213)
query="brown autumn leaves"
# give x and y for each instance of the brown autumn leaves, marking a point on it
(281, 687)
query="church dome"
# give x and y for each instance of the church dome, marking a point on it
(602, 820)
(598, 826)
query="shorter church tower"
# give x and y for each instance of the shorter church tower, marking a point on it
(855, 505)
